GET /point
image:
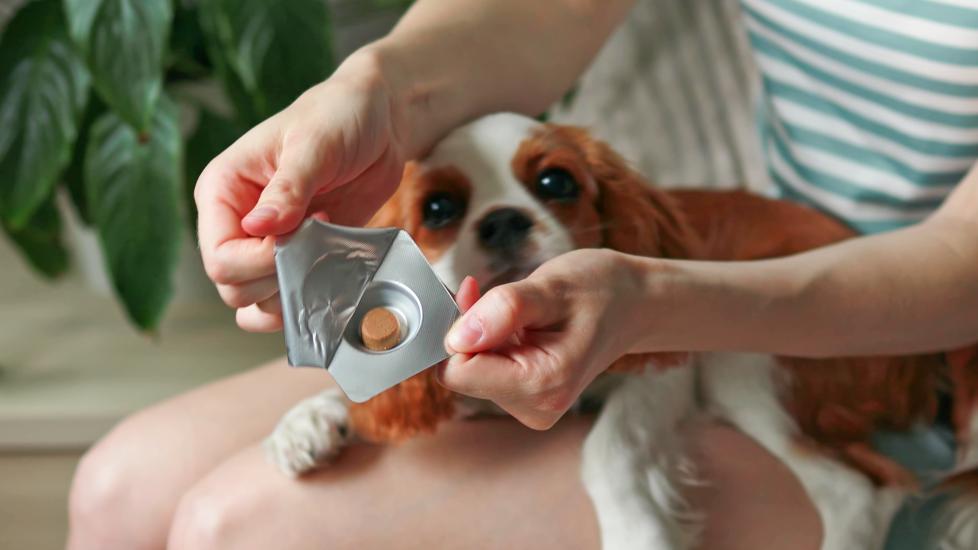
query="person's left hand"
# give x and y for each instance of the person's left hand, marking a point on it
(532, 346)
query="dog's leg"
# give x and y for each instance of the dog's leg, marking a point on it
(741, 389)
(632, 465)
(310, 434)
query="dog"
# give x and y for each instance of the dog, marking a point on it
(499, 196)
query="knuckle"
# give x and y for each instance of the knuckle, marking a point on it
(540, 422)
(234, 296)
(556, 402)
(201, 186)
(508, 300)
(285, 191)
(217, 271)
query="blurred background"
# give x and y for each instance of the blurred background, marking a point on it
(104, 307)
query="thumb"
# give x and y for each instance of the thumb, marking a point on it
(497, 316)
(468, 293)
(283, 203)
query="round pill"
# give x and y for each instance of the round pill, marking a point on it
(380, 329)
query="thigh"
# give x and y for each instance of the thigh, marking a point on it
(750, 499)
(143, 466)
(487, 483)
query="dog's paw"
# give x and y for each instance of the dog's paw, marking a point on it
(310, 434)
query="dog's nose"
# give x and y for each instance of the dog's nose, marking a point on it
(504, 229)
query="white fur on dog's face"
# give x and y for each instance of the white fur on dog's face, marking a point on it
(483, 151)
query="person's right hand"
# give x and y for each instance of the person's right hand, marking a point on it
(337, 151)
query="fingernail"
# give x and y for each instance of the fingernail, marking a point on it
(465, 334)
(262, 213)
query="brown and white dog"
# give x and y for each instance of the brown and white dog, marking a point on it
(500, 196)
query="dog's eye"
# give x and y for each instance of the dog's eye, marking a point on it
(556, 184)
(441, 209)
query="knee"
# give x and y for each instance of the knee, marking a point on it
(210, 518)
(107, 495)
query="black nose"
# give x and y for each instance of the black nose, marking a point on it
(504, 229)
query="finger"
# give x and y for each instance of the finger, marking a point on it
(468, 294)
(487, 375)
(230, 255)
(239, 261)
(272, 305)
(242, 295)
(283, 202)
(499, 314)
(528, 383)
(253, 319)
(358, 199)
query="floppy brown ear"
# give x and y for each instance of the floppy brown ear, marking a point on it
(391, 213)
(636, 217)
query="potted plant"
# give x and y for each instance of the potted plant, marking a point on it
(90, 107)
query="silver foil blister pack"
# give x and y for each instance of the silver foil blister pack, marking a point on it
(330, 276)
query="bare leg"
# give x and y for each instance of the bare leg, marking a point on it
(750, 499)
(479, 484)
(488, 483)
(128, 485)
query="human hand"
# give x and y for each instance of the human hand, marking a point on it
(337, 152)
(532, 346)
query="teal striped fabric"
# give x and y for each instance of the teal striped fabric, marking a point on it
(869, 108)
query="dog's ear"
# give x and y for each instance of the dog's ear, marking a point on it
(636, 218)
(413, 407)
(392, 214)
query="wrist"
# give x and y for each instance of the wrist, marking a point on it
(422, 109)
(714, 306)
(658, 286)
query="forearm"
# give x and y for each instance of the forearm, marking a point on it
(907, 291)
(449, 61)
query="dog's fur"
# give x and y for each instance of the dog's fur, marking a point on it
(816, 415)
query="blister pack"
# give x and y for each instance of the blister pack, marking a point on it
(363, 304)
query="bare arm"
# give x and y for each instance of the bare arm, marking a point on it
(449, 61)
(907, 291)
(340, 148)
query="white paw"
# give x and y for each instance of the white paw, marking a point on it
(310, 434)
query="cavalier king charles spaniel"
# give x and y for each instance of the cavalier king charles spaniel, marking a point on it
(498, 197)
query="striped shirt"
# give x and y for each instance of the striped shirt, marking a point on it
(869, 108)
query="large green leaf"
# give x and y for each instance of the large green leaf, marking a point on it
(74, 175)
(123, 43)
(40, 241)
(244, 106)
(133, 190)
(273, 51)
(213, 134)
(187, 56)
(43, 89)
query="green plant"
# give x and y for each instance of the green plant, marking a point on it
(87, 104)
